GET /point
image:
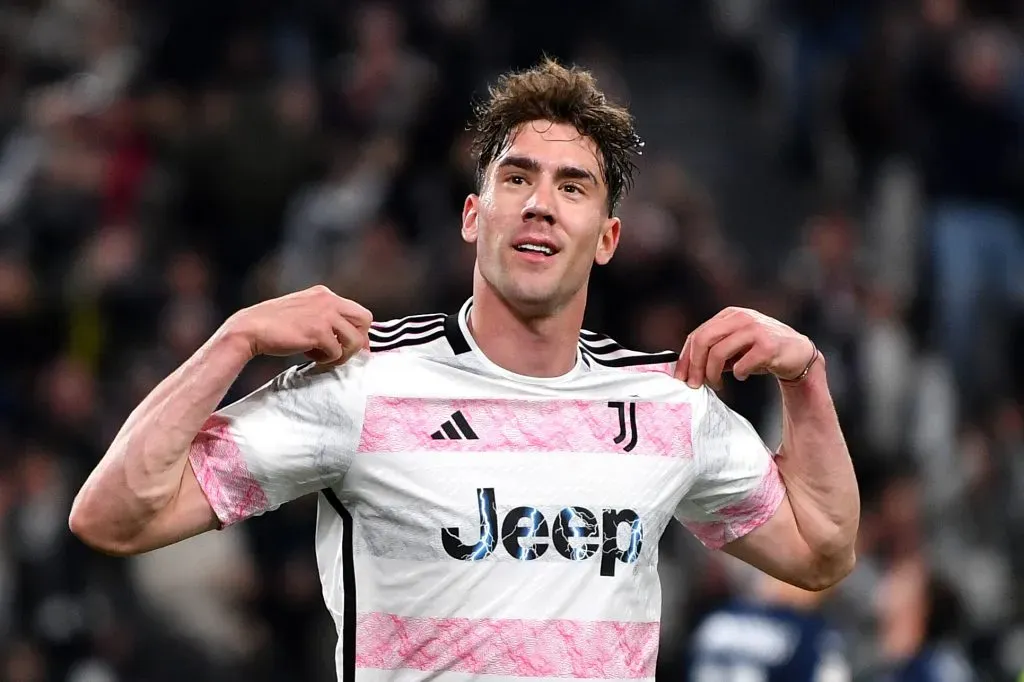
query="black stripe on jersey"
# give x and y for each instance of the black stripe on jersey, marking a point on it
(455, 336)
(608, 346)
(460, 421)
(607, 352)
(596, 340)
(387, 337)
(404, 341)
(389, 326)
(348, 586)
(637, 360)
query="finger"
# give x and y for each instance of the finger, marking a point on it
(328, 347)
(356, 335)
(683, 364)
(359, 316)
(753, 362)
(707, 335)
(727, 349)
(352, 338)
(317, 290)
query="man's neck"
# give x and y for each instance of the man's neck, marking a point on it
(542, 347)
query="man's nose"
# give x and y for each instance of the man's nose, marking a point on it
(540, 205)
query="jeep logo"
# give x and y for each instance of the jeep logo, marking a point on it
(525, 532)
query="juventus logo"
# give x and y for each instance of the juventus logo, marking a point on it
(624, 428)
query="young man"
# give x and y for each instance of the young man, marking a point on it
(493, 484)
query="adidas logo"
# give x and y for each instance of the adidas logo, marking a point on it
(455, 428)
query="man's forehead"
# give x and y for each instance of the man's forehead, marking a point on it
(555, 143)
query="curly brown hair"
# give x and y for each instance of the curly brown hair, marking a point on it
(552, 92)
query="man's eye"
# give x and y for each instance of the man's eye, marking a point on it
(571, 188)
(516, 179)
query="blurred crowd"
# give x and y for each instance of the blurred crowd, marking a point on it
(165, 162)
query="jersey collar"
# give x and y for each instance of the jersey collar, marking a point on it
(456, 327)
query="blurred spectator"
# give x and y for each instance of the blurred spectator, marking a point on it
(971, 150)
(919, 615)
(381, 270)
(326, 219)
(776, 634)
(382, 84)
(825, 282)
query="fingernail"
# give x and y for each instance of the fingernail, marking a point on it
(692, 383)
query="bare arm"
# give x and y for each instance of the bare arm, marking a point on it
(809, 542)
(143, 494)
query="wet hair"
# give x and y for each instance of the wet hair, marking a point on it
(569, 95)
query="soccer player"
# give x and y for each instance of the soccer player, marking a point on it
(493, 483)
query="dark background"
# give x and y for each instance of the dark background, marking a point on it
(854, 168)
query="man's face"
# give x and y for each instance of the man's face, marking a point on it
(541, 220)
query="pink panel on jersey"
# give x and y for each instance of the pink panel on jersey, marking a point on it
(223, 475)
(736, 520)
(512, 648)
(407, 424)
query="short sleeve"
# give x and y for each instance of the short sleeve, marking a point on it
(738, 486)
(293, 436)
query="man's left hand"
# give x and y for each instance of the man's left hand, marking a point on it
(745, 342)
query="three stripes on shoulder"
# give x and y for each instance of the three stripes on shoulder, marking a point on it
(604, 350)
(406, 331)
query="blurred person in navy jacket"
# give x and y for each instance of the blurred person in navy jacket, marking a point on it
(777, 635)
(920, 617)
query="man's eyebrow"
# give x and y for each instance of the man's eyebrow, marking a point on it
(562, 172)
(575, 173)
(522, 162)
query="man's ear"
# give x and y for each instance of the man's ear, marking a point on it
(470, 213)
(608, 241)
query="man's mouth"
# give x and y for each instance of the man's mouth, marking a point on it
(538, 246)
(535, 248)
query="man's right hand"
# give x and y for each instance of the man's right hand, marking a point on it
(317, 322)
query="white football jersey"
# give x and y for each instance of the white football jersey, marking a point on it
(475, 522)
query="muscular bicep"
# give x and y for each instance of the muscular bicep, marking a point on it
(776, 547)
(189, 514)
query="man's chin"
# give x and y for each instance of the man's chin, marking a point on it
(535, 302)
(530, 296)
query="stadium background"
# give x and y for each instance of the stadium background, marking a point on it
(852, 167)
